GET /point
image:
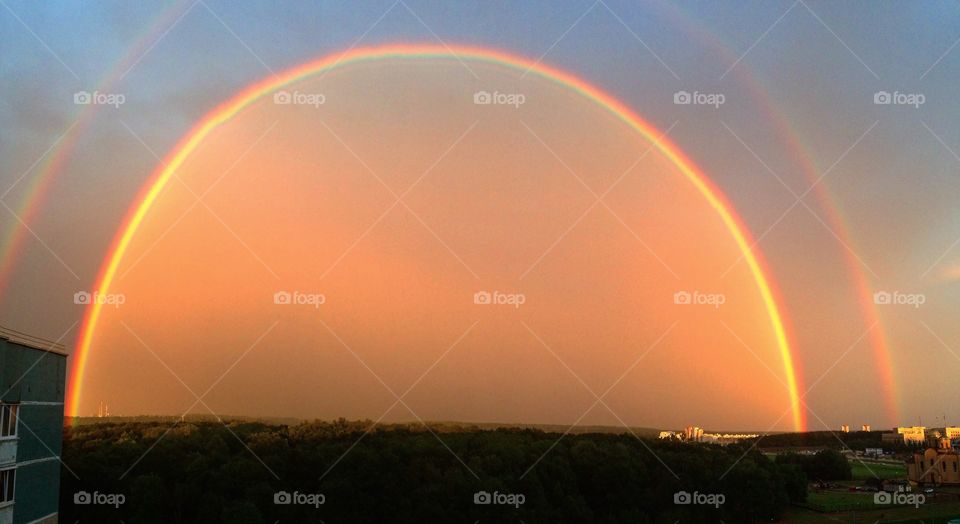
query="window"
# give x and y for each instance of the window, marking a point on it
(8, 420)
(8, 477)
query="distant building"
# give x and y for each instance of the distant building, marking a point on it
(935, 466)
(693, 434)
(845, 428)
(876, 452)
(697, 434)
(865, 427)
(726, 438)
(912, 434)
(952, 432)
(32, 376)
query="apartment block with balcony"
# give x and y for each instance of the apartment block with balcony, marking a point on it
(32, 389)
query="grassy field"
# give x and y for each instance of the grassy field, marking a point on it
(858, 507)
(940, 513)
(830, 501)
(867, 470)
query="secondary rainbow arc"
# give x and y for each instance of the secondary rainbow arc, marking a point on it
(226, 111)
(56, 160)
(694, 28)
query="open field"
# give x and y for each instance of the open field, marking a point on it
(830, 501)
(937, 513)
(885, 470)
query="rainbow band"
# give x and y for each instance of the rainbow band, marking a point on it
(234, 106)
(59, 154)
(695, 29)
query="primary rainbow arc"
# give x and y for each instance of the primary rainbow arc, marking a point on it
(226, 111)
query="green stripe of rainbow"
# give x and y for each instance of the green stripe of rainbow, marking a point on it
(234, 106)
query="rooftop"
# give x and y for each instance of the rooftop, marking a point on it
(31, 341)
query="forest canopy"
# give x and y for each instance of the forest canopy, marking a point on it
(343, 471)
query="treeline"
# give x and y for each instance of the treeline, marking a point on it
(208, 472)
(855, 440)
(824, 465)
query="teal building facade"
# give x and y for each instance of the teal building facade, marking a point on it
(32, 389)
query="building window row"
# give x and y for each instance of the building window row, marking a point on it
(7, 481)
(8, 420)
